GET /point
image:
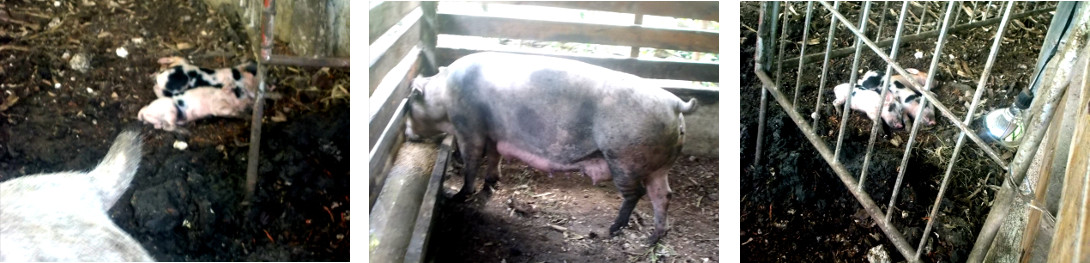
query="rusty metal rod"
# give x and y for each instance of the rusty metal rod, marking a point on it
(968, 117)
(916, 37)
(851, 78)
(917, 87)
(868, 204)
(802, 50)
(307, 62)
(267, 26)
(761, 66)
(825, 65)
(885, 91)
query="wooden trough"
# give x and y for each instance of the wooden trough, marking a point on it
(403, 44)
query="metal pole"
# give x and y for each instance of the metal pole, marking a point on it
(825, 65)
(923, 102)
(802, 50)
(968, 117)
(881, 20)
(855, 67)
(761, 65)
(917, 87)
(308, 62)
(868, 204)
(259, 102)
(885, 91)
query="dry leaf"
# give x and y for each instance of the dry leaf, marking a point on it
(8, 103)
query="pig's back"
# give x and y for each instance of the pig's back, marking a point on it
(558, 108)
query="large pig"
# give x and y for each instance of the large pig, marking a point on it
(556, 115)
(869, 101)
(62, 216)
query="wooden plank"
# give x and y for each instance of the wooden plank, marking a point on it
(695, 10)
(394, 214)
(1072, 241)
(702, 96)
(379, 158)
(385, 15)
(429, 36)
(688, 40)
(418, 245)
(394, 87)
(645, 68)
(386, 54)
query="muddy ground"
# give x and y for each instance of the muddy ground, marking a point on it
(535, 217)
(793, 206)
(183, 205)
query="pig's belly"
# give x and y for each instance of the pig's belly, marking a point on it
(596, 168)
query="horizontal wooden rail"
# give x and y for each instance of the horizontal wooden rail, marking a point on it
(655, 69)
(386, 54)
(394, 87)
(637, 36)
(695, 10)
(385, 15)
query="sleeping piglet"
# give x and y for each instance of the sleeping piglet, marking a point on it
(869, 101)
(194, 104)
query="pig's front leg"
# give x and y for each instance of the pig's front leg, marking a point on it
(492, 170)
(472, 150)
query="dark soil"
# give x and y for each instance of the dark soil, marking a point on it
(183, 205)
(794, 208)
(535, 217)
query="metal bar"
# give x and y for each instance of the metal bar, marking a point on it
(855, 67)
(923, 102)
(762, 65)
(779, 54)
(923, 18)
(868, 204)
(916, 37)
(881, 19)
(802, 50)
(307, 62)
(825, 65)
(267, 31)
(875, 124)
(917, 87)
(968, 117)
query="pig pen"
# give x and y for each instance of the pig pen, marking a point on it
(184, 204)
(795, 208)
(533, 216)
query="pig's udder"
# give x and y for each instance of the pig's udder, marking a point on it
(596, 168)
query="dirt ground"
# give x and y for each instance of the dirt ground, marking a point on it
(535, 217)
(183, 205)
(793, 206)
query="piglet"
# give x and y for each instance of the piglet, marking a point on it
(869, 102)
(194, 104)
(180, 76)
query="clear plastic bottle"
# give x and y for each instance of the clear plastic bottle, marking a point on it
(1006, 126)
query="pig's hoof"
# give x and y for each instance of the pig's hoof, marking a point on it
(654, 239)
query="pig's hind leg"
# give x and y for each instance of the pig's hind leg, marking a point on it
(631, 190)
(658, 189)
(492, 170)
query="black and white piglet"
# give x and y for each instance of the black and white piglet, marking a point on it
(869, 101)
(180, 76)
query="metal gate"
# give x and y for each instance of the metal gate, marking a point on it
(767, 56)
